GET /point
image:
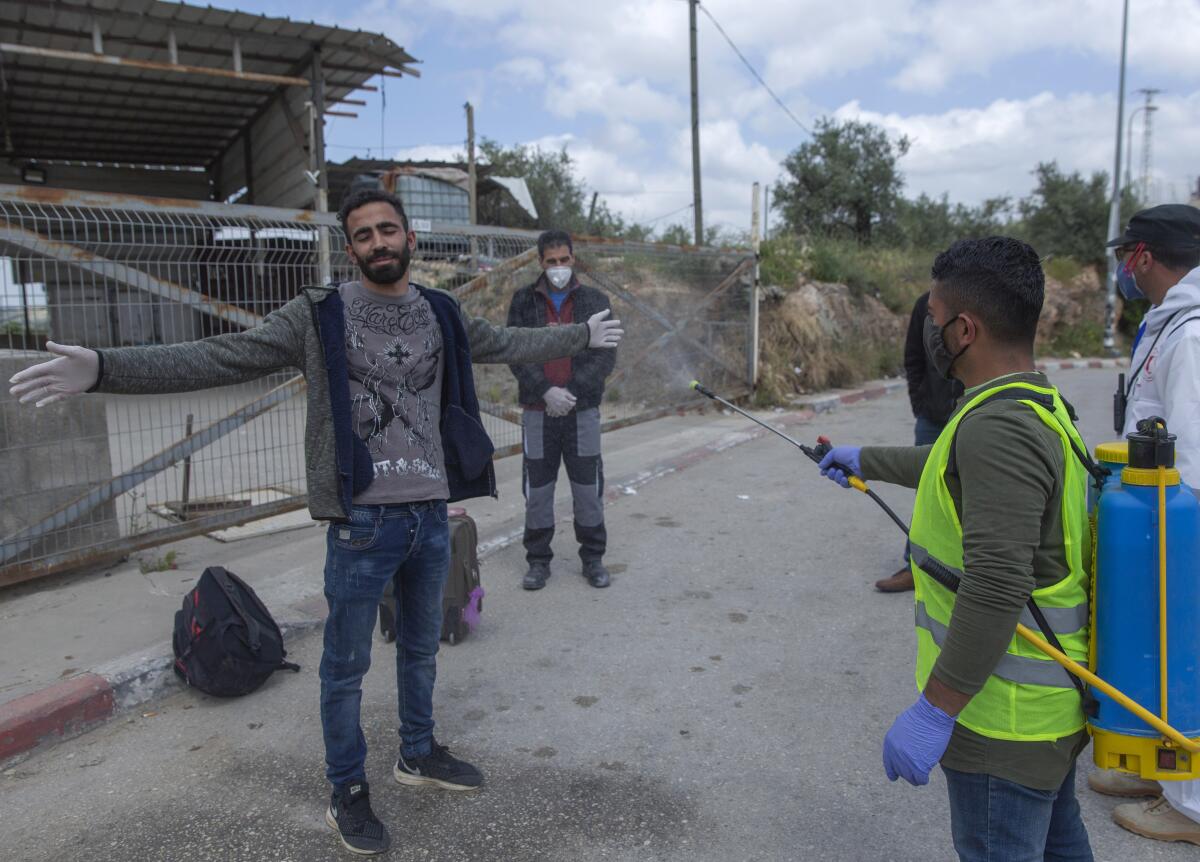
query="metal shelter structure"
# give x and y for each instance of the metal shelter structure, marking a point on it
(221, 105)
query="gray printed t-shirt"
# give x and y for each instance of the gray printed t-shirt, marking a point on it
(394, 353)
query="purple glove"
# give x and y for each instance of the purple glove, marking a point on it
(841, 457)
(916, 742)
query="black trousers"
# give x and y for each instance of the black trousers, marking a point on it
(549, 441)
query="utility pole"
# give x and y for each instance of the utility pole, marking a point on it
(697, 206)
(591, 222)
(1114, 211)
(471, 191)
(1147, 135)
(316, 155)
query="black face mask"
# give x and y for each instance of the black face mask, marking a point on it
(388, 270)
(939, 354)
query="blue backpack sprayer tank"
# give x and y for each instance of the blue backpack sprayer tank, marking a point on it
(1145, 640)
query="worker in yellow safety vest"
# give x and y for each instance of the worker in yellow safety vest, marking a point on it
(1000, 519)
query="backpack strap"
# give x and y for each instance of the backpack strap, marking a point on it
(1019, 393)
(226, 581)
(1183, 323)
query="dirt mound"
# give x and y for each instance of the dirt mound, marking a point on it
(1070, 305)
(822, 336)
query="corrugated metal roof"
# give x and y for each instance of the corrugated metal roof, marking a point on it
(57, 107)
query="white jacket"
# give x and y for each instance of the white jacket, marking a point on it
(1169, 383)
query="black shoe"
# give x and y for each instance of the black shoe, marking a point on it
(536, 577)
(350, 815)
(437, 769)
(596, 574)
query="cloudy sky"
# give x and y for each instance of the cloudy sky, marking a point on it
(984, 88)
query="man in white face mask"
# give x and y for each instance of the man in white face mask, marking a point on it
(561, 415)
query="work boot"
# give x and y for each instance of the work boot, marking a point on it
(439, 768)
(1158, 820)
(595, 573)
(1110, 782)
(350, 815)
(901, 582)
(536, 577)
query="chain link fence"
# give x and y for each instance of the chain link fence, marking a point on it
(92, 479)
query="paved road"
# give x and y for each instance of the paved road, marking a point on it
(724, 700)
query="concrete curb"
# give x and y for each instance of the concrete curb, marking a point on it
(78, 704)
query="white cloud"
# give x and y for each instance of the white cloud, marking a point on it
(430, 153)
(521, 71)
(613, 77)
(985, 152)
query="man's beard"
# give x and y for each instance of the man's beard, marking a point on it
(388, 270)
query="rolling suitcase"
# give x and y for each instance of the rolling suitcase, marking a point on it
(462, 602)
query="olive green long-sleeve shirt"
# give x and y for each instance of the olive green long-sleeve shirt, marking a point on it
(1008, 496)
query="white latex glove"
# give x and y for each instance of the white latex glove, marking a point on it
(75, 370)
(559, 402)
(605, 333)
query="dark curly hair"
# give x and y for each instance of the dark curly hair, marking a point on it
(999, 279)
(362, 197)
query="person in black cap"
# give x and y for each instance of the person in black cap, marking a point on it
(1158, 258)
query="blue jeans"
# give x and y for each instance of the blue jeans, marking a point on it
(993, 820)
(410, 543)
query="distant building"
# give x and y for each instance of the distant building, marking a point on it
(433, 192)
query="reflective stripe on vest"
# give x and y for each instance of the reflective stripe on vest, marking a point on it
(1014, 668)
(1063, 621)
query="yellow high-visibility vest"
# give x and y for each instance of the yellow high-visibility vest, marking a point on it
(1028, 697)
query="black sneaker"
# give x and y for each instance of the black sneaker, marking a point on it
(437, 769)
(537, 575)
(350, 815)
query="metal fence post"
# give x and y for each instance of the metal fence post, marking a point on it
(755, 209)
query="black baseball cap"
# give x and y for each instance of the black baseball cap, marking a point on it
(1169, 225)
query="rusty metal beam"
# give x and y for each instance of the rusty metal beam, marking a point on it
(110, 158)
(118, 548)
(197, 122)
(47, 196)
(89, 9)
(484, 279)
(21, 541)
(151, 65)
(72, 255)
(68, 151)
(53, 131)
(53, 92)
(185, 86)
(203, 50)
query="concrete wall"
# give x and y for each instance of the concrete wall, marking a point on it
(48, 457)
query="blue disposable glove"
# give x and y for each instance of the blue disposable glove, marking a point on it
(841, 456)
(916, 742)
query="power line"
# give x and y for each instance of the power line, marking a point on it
(753, 71)
(668, 215)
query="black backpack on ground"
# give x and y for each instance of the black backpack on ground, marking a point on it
(462, 601)
(226, 641)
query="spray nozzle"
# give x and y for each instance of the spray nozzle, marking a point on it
(695, 384)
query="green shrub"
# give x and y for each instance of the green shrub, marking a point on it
(1086, 339)
(1063, 269)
